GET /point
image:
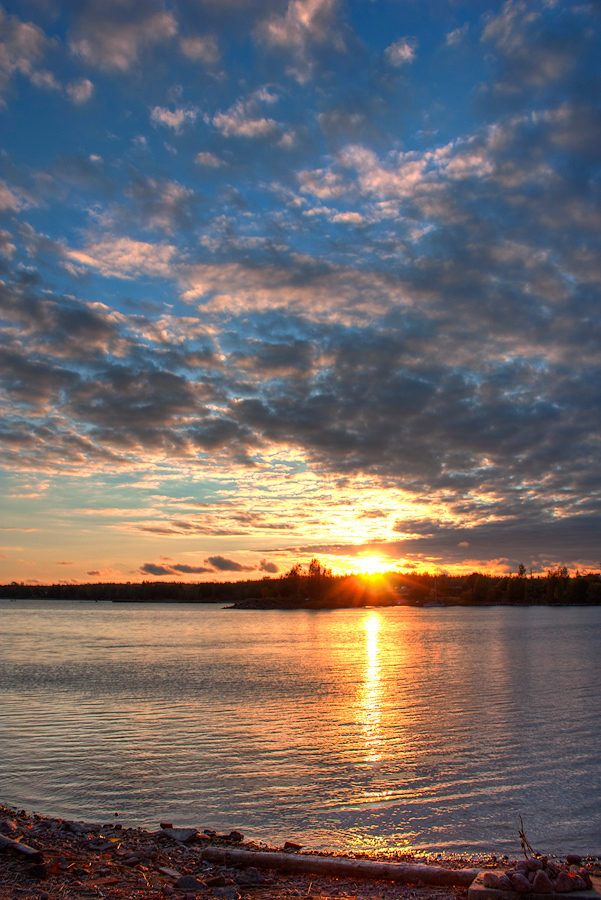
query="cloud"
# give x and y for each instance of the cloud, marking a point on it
(227, 565)
(172, 118)
(42, 78)
(154, 569)
(12, 198)
(111, 34)
(534, 49)
(22, 47)
(208, 159)
(348, 218)
(160, 204)
(269, 567)
(402, 51)
(392, 312)
(457, 36)
(323, 183)
(243, 119)
(80, 91)
(7, 248)
(526, 539)
(201, 48)
(124, 258)
(304, 288)
(306, 24)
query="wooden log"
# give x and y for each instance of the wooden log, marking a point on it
(304, 863)
(32, 854)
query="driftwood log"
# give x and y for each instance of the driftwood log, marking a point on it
(32, 854)
(302, 863)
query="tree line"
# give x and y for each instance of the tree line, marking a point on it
(315, 586)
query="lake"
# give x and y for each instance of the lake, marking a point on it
(430, 730)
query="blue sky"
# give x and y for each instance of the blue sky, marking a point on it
(298, 278)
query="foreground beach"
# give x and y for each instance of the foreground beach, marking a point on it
(57, 858)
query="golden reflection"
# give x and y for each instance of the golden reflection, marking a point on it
(370, 693)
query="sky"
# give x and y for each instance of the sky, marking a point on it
(284, 279)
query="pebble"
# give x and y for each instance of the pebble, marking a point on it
(8, 827)
(250, 877)
(227, 893)
(189, 883)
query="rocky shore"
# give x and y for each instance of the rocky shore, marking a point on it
(56, 859)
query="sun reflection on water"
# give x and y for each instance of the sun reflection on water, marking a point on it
(370, 692)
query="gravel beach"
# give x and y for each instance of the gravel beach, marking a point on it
(58, 858)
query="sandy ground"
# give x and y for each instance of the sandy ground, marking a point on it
(83, 860)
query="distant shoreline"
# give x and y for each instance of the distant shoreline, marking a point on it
(316, 588)
(264, 605)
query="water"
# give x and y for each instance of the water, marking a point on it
(431, 730)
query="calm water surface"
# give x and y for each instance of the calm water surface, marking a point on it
(398, 728)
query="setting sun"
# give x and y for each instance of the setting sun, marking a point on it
(373, 565)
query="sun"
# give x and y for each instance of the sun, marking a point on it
(372, 565)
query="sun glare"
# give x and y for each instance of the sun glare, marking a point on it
(372, 565)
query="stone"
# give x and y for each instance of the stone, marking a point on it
(189, 884)
(521, 884)
(542, 884)
(573, 859)
(216, 881)
(227, 893)
(290, 845)
(235, 836)
(586, 878)
(490, 880)
(181, 835)
(534, 864)
(250, 877)
(477, 890)
(505, 883)
(9, 827)
(565, 883)
(170, 873)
